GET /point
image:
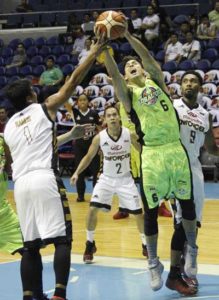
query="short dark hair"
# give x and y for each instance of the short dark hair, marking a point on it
(17, 92)
(193, 73)
(51, 58)
(111, 106)
(128, 58)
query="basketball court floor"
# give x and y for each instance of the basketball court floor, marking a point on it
(119, 271)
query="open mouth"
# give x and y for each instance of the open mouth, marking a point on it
(133, 72)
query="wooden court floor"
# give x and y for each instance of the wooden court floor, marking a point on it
(120, 238)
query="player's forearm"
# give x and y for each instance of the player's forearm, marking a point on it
(119, 83)
(85, 162)
(64, 138)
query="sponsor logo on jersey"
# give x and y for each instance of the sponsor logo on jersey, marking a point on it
(192, 114)
(105, 144)
(126, 141)
(150, 95)
(116, 147)
(95, 196)
(78, 118)
(91, 118)
(117, 157)
(193, 125)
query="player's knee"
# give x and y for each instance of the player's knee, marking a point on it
(188, 209)
(65, 245)
(150, 221)
(32, 251)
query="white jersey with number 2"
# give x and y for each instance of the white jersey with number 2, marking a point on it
(116, 153)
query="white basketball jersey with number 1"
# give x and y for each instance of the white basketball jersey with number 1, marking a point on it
(194, 123)
(30, 137)
(116, 153)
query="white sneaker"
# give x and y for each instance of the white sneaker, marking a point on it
(155, 269)
(190, 267)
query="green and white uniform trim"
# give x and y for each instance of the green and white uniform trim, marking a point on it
(10, 234)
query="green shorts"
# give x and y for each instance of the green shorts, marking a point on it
(10, 234)
(165, 170)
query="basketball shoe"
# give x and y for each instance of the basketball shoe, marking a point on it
(89, 251)
(177, 283)
(155, 268)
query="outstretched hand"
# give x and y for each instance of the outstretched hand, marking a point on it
(74, 179)
(80, 131)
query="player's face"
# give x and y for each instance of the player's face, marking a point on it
(112, 117)
(216, 135)
(190, 86)
(82, 102)
(133, 69)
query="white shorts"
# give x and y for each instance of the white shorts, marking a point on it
(42, 208)
(123, 187)
(198, 192)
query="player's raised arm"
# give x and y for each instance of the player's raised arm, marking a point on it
(65, 92)
(149, 63)
(119, 83)
(85, 162)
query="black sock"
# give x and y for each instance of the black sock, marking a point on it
(38, 287)
(62, 262)
(174, 272)
(28, 266)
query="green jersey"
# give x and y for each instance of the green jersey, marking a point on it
(154, 115)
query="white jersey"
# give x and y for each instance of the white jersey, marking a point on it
(194, 123)
(116, 154)
(31, 139)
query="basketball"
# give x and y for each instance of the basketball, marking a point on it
(112, 23)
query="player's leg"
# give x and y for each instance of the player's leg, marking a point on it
(182, 188)
(101, 199)
(80, 185)
(91, 223)
(130, 202)
(62, 263)
(153, 186)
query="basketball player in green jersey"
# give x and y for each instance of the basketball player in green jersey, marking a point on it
(165, 166)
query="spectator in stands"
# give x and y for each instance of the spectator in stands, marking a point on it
(151, 24)
(72, 30)
(24, 6)
(165, 20)
(193, 24)
(95, 15)
(19, 58)
(88, 25)
(173, 49)
(206, 30)
(84, 53)
(191, 49)
(137, 22)
(3, 118)
(50, 80)
(79, 43)
(214, 15)
(182, 31)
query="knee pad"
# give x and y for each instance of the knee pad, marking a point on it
(188, 209)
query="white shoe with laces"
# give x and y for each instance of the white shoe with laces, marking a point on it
(155, 268)
(190, 267)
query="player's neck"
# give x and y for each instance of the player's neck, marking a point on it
(191, 103)
(114, 131)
